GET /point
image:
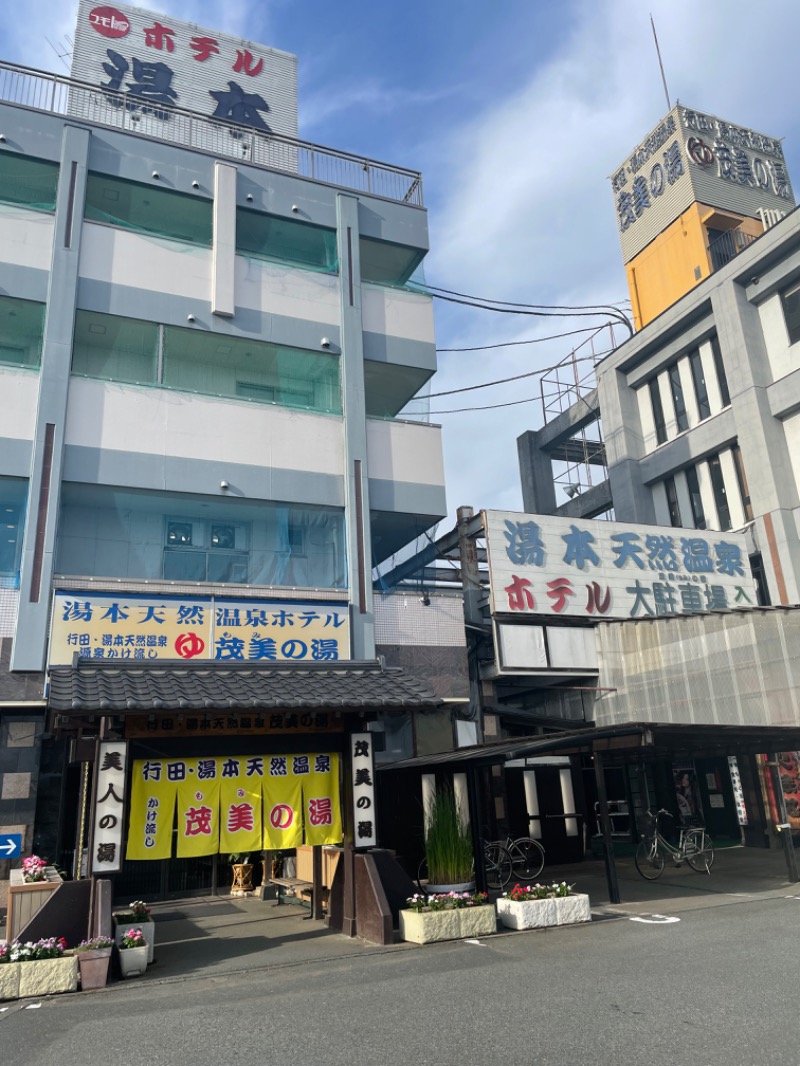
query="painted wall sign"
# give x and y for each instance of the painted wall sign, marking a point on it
(540, 565)
(366, 833)
(108, 816)
(148, 62)
(104, 627)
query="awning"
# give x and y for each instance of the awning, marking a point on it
(645, 740)
(92, 688)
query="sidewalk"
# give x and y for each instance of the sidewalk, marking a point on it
(738, 874)
(211, 937)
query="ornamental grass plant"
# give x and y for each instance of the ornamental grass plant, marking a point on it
(448, 842)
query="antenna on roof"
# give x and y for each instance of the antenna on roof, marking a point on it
(64, 52)
(660, 64)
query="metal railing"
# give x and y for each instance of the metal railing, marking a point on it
(727, 246)
(44, 91)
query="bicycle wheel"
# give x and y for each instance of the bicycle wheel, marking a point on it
(702, 859)
(527, 858)
(422, 876)
(649, 859)
(498, 865)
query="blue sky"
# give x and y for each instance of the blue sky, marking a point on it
(516, 114)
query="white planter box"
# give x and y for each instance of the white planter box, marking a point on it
(132, 961)
(148, 931)
(424, 927)
(9, 980)
(539, 913)
(44, 977)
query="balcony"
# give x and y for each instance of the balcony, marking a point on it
(42, 91)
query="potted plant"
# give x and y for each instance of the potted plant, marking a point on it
(9, 972)
(93, 958)
(537, 906)
(136, 915)
(132, 953)
(447, 916)
(44, 967)
(448, 845)
(242, 873)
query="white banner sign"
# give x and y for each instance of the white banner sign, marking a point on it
(147, 61)
(108, 816)
(540, 565)
(363, 767)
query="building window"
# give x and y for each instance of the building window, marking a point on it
(13, 498)
(695, 499)
(114, 348)
(218, 365)
(196, 550)
(791, 312)
(720, 494)
(699, 382)
(658, 411)
(211, 364)
(146, 209)
(741, 478)
(760, 578)
(286, 241)
(27, 182)
(21, 331)
(681, 418)
(672, 501)
(722, 378)
(114, 533)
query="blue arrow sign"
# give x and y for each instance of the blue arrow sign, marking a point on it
(10, 845)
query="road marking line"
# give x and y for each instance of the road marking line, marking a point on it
(655, 919)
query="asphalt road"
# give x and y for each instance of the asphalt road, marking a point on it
(717, 986)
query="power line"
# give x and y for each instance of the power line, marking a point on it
(533, 340)
(536, 310)
(520, 303)
(484, 407)
(619, 316)
(516, 377)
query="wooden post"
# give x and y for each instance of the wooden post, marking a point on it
(605, 825)
(316, 882)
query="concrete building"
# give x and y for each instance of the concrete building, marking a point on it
(206, 342)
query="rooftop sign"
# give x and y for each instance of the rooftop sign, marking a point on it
(693, 157)
(148, 62)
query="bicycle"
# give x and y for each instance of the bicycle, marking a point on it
(694, 846)
(497, 864)
(527, 856)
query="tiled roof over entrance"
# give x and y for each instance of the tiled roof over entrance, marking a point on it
(89, 687)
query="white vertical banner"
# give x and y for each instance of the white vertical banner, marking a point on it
(363, 767)
(108, 816)
(738, 793)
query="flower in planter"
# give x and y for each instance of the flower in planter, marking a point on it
(134, 938)
(446, 901)
(557, 890)
(33, 869)
(96, 943)
(50, 948)
(140, 910)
